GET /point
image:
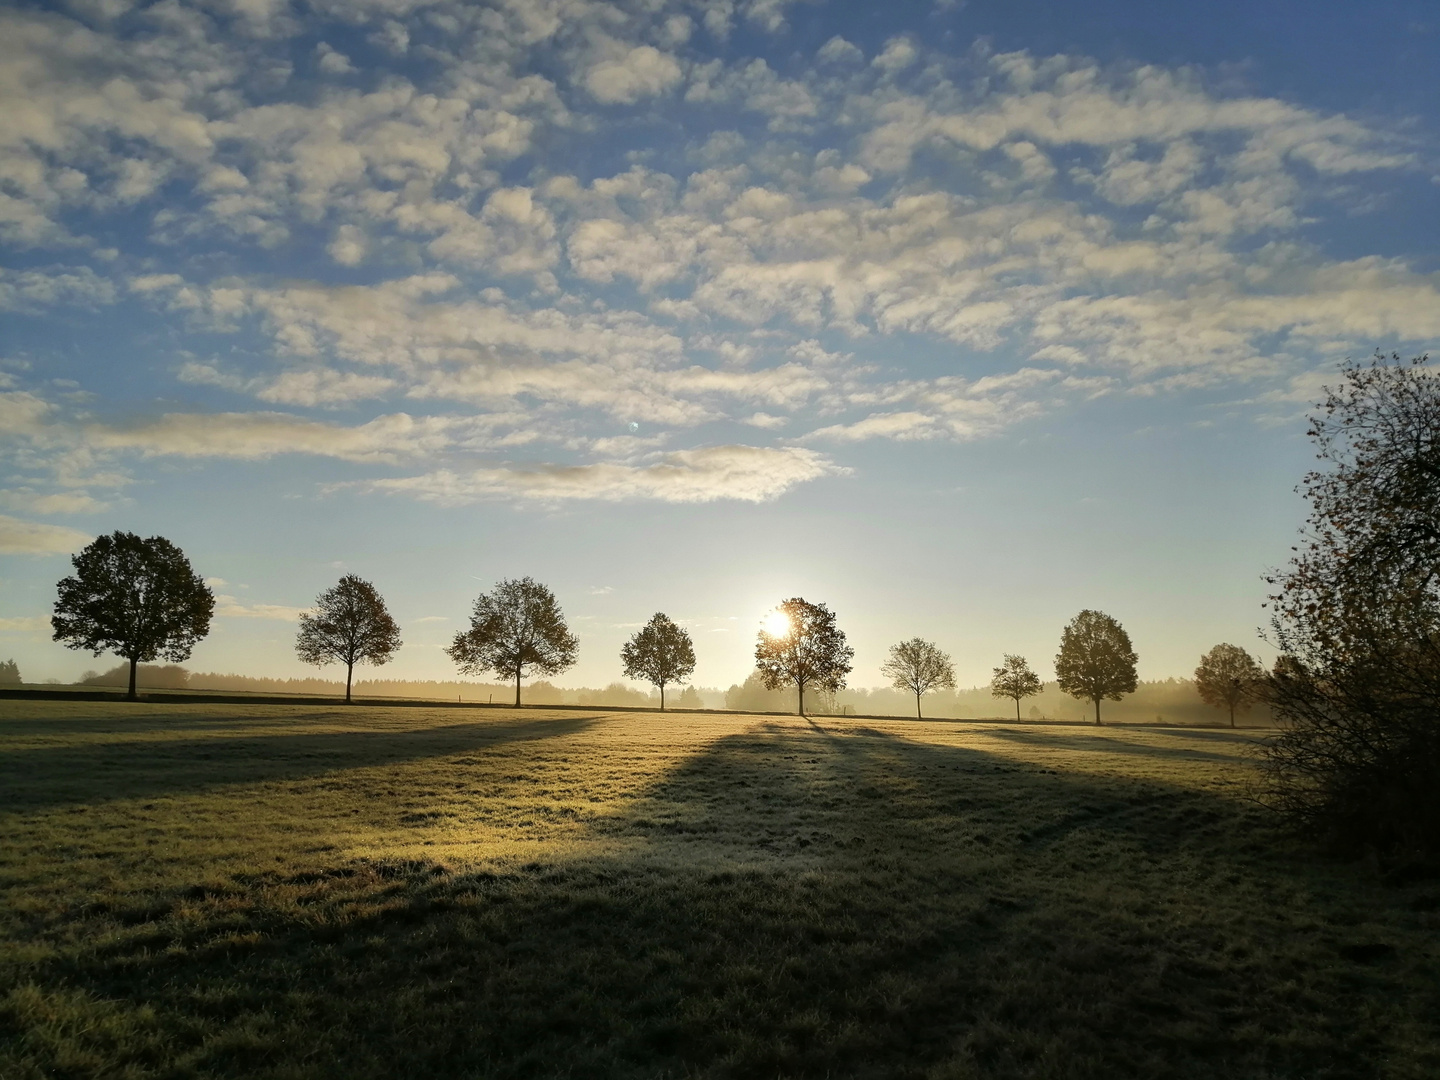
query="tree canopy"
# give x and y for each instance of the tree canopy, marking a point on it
(1096, 659)
(918, 666)
(139, 599)
(1014, 679)
(661, 653)
(9, 673)
(1229, 678)
(803, 647)
(1356, 615)
(350, 625)
(516, 629)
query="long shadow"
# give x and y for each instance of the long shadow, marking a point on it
(1111, 744)
(38, 778)
(801, 899)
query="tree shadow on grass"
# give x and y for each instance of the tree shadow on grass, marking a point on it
(797, 900)
(39, 778)
(1115, 744)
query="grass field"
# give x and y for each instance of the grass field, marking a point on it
(288, 891)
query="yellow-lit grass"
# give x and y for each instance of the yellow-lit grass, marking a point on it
(309, 891)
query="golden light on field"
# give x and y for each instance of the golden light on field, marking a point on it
(777, 624)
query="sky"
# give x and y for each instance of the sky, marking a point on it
(958, 317)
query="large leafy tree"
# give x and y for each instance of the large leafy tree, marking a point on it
(918, 666)
(1014, 679)
(137, 598)
(516, 629)
(1229, 678)
(1096, 659)
(350, 625)
(1356, 615)
(661, 653)
(801, 646)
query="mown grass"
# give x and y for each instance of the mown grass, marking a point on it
(312, 891)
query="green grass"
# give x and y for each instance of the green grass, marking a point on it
(319, 891)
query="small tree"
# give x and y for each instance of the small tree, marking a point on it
(9, 673)
(660, 653)
(350, 625)
(802, 646)
(1014, 679)
(136, 598)
(1229, 678)
(918, 666)
(515, 630)
(1096, 659)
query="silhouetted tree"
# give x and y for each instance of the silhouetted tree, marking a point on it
(9, 673)
(350, 625)
(809, 650)
(1229, 678)
(1014, 679)
(515, 629)
(1357, 614)
(136, 598)
(1096, 659)
(660, 653)
(918, 666)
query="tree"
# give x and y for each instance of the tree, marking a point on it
(1229, 678)
(660, 653)
(1014, 679)
(801, 645)
(1356, 615)
(918, 666)
(1095, 660)
(136, 598)
(350, 625)
(9, 673)
(515, 629)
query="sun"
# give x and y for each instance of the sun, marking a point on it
(777, 624)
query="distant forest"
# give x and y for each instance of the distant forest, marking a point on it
(1172, 701)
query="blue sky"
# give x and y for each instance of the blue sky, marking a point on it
(959, 317)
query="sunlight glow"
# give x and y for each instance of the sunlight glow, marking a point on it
(777, 624)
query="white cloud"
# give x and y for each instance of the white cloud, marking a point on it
(228, 607)
(743, 473)
(18, 537)
(642, 72)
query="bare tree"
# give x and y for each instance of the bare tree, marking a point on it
(350, 625)
(1229, 678)
(1096, 659)
(801, 646)
(136, 598)
(918, 666)
(1014, 679)
(660, 653)
(515, 630)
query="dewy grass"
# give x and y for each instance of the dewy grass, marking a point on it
(310, 891)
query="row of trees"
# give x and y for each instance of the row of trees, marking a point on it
(141, 599)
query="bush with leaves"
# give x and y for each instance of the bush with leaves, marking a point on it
(1356, 614)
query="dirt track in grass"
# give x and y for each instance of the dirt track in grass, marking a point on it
(312, 891)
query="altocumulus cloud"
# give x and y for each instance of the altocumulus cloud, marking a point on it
(746, 473)
(452, 229)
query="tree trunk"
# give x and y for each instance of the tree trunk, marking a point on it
(1017, 710)
(517, 686)
(1232, 715)
(800, 709)
(662, 697)
(131, 696)
(917, 706)
(1097, 710)
(349, 673)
